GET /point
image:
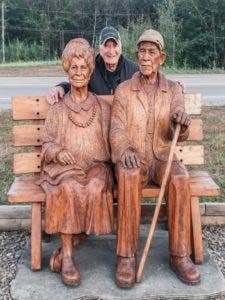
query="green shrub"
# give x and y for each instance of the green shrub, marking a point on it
(23, 51)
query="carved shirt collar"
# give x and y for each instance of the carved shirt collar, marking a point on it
(136, 83)
(78, 106)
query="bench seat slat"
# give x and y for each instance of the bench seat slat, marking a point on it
(36, 107)
(24, 189)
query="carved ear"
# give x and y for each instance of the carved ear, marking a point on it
(162, 58)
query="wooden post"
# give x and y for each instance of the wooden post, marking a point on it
(3, 32)
(196, 230)
(36, 244)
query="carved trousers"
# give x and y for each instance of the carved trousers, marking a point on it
(130, 182)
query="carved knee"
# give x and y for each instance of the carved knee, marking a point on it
(134, 172)
(180, 178)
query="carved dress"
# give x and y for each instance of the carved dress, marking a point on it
(79, 196)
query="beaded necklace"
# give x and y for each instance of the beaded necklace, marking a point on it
(80, 124)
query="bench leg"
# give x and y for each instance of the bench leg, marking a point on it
(196, 231)
(36, 243)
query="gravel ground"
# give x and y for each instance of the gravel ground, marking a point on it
(12, 244)
(215, 237)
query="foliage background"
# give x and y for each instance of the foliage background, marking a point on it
(194, 30)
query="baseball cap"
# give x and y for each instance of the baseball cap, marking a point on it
(108, 33)
(153, 36)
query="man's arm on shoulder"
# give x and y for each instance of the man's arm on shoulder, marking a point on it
(65, 85)
(57, 92)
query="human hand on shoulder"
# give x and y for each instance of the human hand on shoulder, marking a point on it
(182, 85)
(130, 159)
(55, 94)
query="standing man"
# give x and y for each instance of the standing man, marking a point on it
(111, 68)
(145, 111)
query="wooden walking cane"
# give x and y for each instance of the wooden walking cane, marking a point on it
(159, 202)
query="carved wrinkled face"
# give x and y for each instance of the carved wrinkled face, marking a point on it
(110, 52)
(149, 58)
(79, 72)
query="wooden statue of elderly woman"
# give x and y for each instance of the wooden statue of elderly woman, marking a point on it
(76, 174)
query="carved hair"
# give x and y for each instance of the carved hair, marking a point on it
(79, 48)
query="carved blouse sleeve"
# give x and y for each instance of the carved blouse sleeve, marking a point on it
(50, 146)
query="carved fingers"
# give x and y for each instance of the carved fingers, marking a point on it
(64, 157)
(130, 159)
(55, 94)
(182, 118)
(182, 85)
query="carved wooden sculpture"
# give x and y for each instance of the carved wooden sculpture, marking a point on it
(76, 175)
(144, 113)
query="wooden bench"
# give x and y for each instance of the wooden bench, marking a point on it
(33, 109)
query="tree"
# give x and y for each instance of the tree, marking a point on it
(169, 27)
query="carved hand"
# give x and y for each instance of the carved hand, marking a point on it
(130, 159)
(182, 85)
(64, 157)
(182, 118)
(55, 94)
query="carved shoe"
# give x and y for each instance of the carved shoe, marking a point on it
(185, 270)
(69, 273)
(125, 273)
(56, 260)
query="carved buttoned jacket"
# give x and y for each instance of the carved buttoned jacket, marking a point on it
(130, 117)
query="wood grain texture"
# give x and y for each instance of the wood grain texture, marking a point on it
(30, 162)
(27, 135)
(202, 184)
(215, 209)
(193, 103)
(196, 231)
(24, 189)
(26, 162)
(29, 107)
(213, 220)
(15, 212)
(30, 135)
(35, 107)
(15, 224)
(190, 155)
(36, 243)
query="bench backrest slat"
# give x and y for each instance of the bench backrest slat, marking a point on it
(36, 107)
(30, 162)
(30, 135)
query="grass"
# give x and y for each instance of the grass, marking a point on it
(171, 70)
(30, 63)
(6, 154)
(214, 142)
(54, 68)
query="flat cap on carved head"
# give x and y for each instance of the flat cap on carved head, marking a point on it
(153, 36)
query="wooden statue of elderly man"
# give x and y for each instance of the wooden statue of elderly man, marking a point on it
(144, 115)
